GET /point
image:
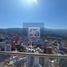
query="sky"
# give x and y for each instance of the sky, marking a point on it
(13, 13)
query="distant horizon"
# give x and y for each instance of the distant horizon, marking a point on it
(44, 28)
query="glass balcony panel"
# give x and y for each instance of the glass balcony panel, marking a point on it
(18, 60)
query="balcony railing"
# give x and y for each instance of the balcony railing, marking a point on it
(23, 59)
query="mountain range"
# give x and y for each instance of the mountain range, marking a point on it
(45, 32)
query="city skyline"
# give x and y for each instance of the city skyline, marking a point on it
(13, 13)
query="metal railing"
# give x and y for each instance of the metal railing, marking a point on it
(49, 60)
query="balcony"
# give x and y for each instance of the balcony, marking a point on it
(22, 59)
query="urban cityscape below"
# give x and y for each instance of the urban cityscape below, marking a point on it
(32, 38)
